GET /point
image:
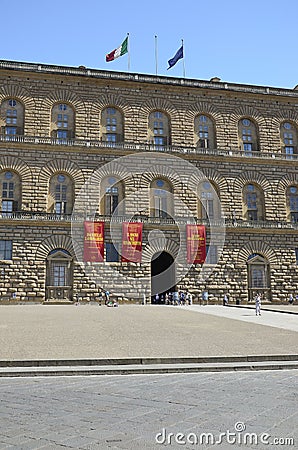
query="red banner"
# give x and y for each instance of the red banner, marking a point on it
(196, 244)
(94, 241)
(132, 242)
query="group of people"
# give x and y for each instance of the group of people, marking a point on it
(173, 298)
(108, 301)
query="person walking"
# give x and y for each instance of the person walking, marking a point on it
(291, 299)
(258, 305)
(225, 300)
(205, 296)
(107, 297)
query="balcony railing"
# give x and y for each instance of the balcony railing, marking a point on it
(76, 218)
(147, 147)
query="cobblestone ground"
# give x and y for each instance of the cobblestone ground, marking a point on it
(128, 412)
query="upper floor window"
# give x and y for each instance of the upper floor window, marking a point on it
(12, 117)
(62, 123)
(288, 133)
(10, 192)
(159, 128)
(5, 250)
(161, 199)
(60, 199)
(204, 132)
(209, 203)
(112, 196)
(112, 125)
(292, 203)
(253, 202)
(248, 136)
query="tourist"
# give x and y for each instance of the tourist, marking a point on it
(107, 297)
(205, 296)
(258, 305)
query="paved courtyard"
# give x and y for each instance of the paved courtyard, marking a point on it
(129, 412)
(90, 331)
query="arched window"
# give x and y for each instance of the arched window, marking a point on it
(258, 277)
(10, 192)
(204, 132)
(248, 136)
(253, 203)
(292, 203)
(159, 129)
(161, 199)
(209, 203)
(288, 134)
(61, 194)
(63, 121)
(59, 275)
(12, 117)
(112, 125)
(112, 196)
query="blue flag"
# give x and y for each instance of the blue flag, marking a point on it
(176, 58)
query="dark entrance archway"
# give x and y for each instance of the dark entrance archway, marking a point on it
(163, 277)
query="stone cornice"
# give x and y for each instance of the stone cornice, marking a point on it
(145, 78)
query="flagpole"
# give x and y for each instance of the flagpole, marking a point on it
(183, 59)
(128, 56)
(155, 54)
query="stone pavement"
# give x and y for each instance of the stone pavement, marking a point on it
(128, 412)
(29, 332)
(269, 318)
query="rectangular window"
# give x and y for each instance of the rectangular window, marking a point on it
(159, 140)
(61, 134)
(294, 217)
(59, 271)
(60, 207)
(289, 150)
(252, 215)
(258, 277)
(111, 201)
(251, 201)
(5, 250)
(112, 254)
(11, 131)
(7, 206)
(203, 143)
(111, 137)
(247, 147)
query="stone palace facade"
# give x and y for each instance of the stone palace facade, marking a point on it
(60, 125)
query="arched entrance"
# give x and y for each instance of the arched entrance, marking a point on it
(163, 277)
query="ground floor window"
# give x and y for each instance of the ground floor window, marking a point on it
(59, 275)
(5, 250)
(258, 277)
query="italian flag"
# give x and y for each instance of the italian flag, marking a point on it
(118, 51)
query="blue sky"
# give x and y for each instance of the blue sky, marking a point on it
(249, 42)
